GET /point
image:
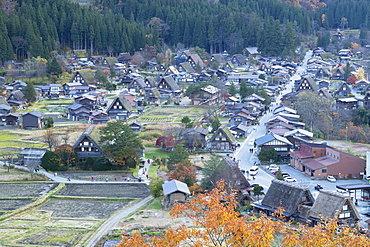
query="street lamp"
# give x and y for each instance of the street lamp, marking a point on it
(346, 133)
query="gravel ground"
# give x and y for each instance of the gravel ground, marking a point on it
(128, 190)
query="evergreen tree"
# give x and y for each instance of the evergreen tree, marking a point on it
(243, 89)
(100, 77)
(232, 89)
(54, 68)
(178, 155)
(30, 92)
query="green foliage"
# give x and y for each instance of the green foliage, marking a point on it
(100, 77)
(215, 124)
(210, 171)
(268, 154)
(178, 155)
(30, 92)
(257, 190)
(121, 143)
(87, 164)
(279, 175)
(102, 164)
(232, 89)
(54, 68)
(186, 120)
(49, 122)
(243, 89)
(155, 186)
(51, 162)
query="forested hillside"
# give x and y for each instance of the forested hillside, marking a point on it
(37, 27)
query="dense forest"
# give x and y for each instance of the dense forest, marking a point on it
(38, 27)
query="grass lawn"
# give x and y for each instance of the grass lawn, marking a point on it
(153, 171)
(156, 204)
(155, 151)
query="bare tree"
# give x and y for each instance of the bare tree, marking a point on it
(174, 131)
(51, 139)
(7, 156)
(65, 137)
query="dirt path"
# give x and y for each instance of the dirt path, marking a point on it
(109, 224)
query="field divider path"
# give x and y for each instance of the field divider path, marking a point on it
(105, 228)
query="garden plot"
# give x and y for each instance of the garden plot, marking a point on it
(10, 205)
(81, 224)
(83, 209)
(11, 234)
(20, 223)
(127, 190)
(60, 238)
(99, 176)
(25, 189)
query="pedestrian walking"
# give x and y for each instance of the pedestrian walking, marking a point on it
(147, 176)
(115, 179)
(106, 180)
(55, 174)
(69, 179)
(148, 161)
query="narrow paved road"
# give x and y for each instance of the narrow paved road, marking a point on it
(109, 224)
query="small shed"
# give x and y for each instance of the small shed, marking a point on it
(175, 192)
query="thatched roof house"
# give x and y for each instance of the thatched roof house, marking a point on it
(331, 204)
(293, 198)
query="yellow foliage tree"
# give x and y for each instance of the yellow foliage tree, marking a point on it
(360, 74)
(219, 224)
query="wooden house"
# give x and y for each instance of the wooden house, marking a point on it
(33, 120)
(120, 108)
(87, 144)
(322, 73)
(168, 87)
(209, 95)
(98, 117)
(367, 101)
(361, 85)
(12, 119)
(297, 136)
(78, 112)
(295, 200)
(194, 138)
(185, 67)
(31, 155)
(279, 143)
(194, 60)
(241, 118)
(333, 205)
(84, 77)
(342, 90)
(136, 126)
(16, 98)
(338, 74)
(347, 103)
(323, 84)
(238, 60)
(307, 83)
(280, 128)
(222, 140)
(174, 192)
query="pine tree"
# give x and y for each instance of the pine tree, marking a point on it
(243, 89)
(30, 92)
(54, 68)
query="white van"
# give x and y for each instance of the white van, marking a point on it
(253, 170)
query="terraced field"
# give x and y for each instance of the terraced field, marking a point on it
(51, 214)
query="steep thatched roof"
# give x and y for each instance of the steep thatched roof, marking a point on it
(287, 195)
(124, 102)
(330, 204)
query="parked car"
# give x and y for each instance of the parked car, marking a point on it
(253, 170)
(290, 179)
(252, 185)
(341, 191)
(272, 166)
(274, 169)
(331, 179)
(285, 174)
(318, 187)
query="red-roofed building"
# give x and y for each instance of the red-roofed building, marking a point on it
(320, 161)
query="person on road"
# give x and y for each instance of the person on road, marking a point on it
(69, 178)
(106, 180)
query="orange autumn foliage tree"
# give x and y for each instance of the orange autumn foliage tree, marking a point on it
(217, 223)
(184, 172)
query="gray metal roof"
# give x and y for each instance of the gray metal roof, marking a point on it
(174, 186)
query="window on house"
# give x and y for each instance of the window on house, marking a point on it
(323, 170)
(86, 143)
(345, 207)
